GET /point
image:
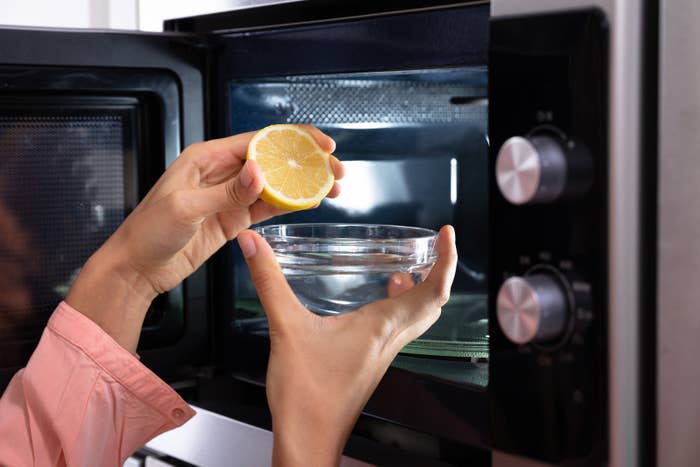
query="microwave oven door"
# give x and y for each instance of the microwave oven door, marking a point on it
(404, 95)
(88, 121)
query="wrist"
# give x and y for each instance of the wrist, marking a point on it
(113, 296)
(298, 446)
(307, 437)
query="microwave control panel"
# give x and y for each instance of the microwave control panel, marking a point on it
(548, 111)
(543, 167)
(544, 306)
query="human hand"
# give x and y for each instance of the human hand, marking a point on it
(204, 199)
(322, 370)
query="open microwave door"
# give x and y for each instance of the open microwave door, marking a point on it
(88, 121)
(404, 94)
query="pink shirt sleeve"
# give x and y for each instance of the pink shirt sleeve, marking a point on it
(83, 400)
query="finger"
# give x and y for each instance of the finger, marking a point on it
(424, 301)
(335, 191)
(337, 167)
(323, 140)
(399, 283)
(261, 211)
(218, 159)
(273, 290)
(443, 272)
(201, 164)
(411, 313)
(238, 192)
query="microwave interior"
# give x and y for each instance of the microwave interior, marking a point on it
(410, 119)
(415, 145)
(74, 164)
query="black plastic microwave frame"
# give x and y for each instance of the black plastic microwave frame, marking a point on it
(156, 80)
(207, 365)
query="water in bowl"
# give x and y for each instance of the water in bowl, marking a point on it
(336, 268)
(330, 293)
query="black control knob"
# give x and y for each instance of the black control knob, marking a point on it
(541, 169)
(533, 308)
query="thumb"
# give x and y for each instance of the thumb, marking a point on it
(414, 310)
(273, 290)
(238, 192)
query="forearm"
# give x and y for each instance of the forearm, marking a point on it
(113, 296)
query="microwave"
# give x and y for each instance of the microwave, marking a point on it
(553, 135)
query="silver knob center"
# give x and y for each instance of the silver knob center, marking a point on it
(518, 170)
(532, 308)
(532, 170)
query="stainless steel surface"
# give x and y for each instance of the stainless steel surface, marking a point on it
(254, 3)
(532, 308)
(531, 170)
(374, 100)
(678, 325)
(212, 440)
(518, 170)
(625, 19)
(624, 234)
(155, 462)
(518, 310)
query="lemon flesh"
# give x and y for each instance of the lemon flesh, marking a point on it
(296, 171)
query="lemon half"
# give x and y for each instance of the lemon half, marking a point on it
(297, 172)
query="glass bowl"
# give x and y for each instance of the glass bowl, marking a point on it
(336, 268)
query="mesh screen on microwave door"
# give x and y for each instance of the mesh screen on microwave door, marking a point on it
(62, 193)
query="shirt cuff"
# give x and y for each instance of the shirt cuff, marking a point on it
(115, 360)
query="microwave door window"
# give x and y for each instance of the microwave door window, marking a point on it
(415, 149)
(61, 195)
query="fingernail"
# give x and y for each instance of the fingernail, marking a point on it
(448, 230)
(396, 280)
(246, 177)
(247, 245)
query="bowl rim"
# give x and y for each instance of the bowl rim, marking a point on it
(427, 234)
